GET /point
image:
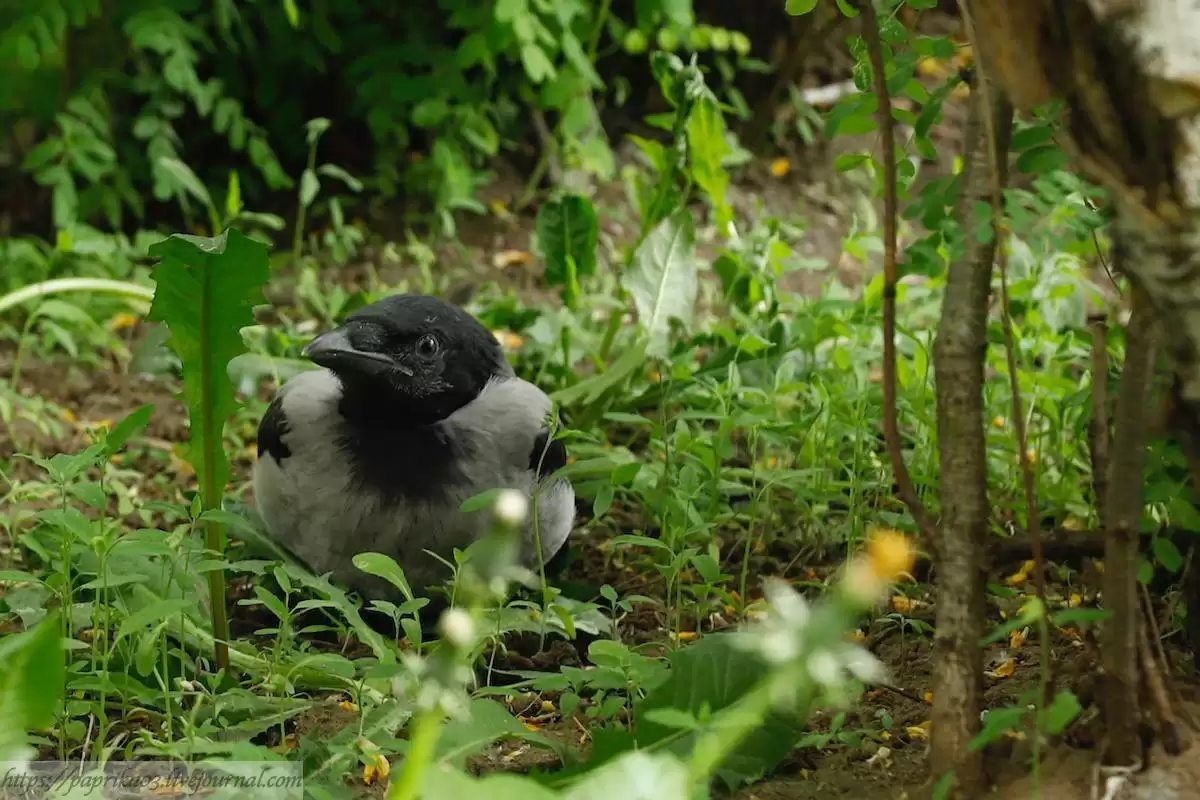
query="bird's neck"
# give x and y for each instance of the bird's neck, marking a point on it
(387, 412)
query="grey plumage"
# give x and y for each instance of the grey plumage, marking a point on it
(349, 466)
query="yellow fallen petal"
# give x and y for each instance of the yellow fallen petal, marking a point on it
(1017, 637)
(890, 554)
(511, 258)
(1006, 669)
(781, 167)
(122, 321)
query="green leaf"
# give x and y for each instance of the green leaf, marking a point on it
(800, 7)
(206, 291)
(32, 673)
(996, 722)
(487, 722)
(152, 613)
(636, 776)
(133, 424)
(716, 673)
(1167, 553)
(1042, 160)
(848, 161)
(184, 179)
(567, 231)
(707, 149)
(662, 278)
(310, 184)
(497, 786)
(537, 66)
(385, 567)
(1061, 713)
(592, 387)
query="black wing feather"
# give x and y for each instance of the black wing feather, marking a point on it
(272, 429)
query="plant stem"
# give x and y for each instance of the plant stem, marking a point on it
(421, 747)
(132, 291)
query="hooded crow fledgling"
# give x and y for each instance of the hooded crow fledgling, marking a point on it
(415, 411)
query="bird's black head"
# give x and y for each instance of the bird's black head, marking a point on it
(412, 357)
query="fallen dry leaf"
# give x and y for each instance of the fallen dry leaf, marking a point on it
(511, 258)
(122, 321)
(1021, 575)
(377, 768)
(1017, 638)
(1006, 669)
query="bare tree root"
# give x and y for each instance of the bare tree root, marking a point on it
(1155, 672)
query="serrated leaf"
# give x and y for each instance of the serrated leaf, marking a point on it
(567, 228)
(32, 672)
(206, 292)
(707, 150)
(662, 279)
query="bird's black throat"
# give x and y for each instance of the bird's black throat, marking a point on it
(398, 447)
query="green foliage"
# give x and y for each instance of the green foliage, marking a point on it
(31, 681)
(205, 294)
(567, 235)
(662, 279)
(440, 89)
(206, 290)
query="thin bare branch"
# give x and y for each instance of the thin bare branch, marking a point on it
(891, 432)
(1098, 426)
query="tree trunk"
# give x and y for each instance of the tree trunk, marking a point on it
(1123, 516)
(958, 353)
(1128, 73)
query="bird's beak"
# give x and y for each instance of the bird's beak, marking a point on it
(335, 351)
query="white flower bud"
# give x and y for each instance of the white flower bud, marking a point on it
(458, 628)
(511, 507)
(862, 664)
(824, 668)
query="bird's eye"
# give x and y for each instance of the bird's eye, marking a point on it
(427, 346)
